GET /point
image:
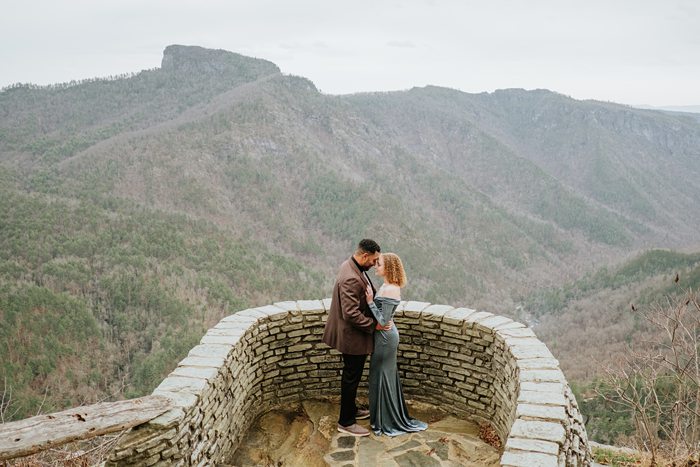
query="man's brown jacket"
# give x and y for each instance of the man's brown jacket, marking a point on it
(350, 325)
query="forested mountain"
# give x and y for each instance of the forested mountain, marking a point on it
(591, 323)
(607, 296)
(137, 211)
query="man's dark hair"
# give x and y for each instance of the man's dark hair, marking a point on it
(368, 246)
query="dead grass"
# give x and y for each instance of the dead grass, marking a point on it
(82, 453)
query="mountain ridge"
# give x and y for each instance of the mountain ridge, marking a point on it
(478, 123)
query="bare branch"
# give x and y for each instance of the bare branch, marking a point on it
(659, 381)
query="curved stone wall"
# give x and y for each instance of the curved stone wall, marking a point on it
(481, 366)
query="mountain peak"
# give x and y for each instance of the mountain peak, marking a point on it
(194, 60)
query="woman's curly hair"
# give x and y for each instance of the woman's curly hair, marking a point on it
(393, 269)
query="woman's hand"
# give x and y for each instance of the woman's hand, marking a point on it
(388, 326)
(369, 294)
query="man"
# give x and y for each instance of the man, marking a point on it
(350, 330)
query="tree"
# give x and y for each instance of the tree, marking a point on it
(659, 381)
(6, 402)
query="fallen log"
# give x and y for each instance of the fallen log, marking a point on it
(35, 434)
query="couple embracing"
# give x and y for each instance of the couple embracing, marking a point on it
(359, 324)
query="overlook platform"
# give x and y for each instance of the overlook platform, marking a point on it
(478, 367)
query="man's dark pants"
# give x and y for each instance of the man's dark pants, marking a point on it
(353, 365)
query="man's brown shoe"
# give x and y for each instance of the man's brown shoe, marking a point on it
(362, 414)
(353, 430)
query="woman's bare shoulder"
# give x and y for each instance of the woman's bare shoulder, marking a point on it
(391, 291)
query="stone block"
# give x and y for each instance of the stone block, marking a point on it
(232, 325)
(433, 326)
(300, 347)
(241, 319)
(532, 429)
(542, 398)
(269, 311)
(530, 351)
(307, 367)
(542, 387)
(463, 356)
(299, 333)
(516, 332)
(542, 376)
(287, 306)
(314, 317)
(185, 400)
(210, 350)
(410, 347)
(538, 363)
(457, 316)
(292, 362)
(513, 325)
(414, 307)
(181, 383)
(440, 344)
(456, 342)
(524, 340)
(475, 348)
(456, 376)
(466, 386)
(207, 373)
(210, 362)
(169, 452)
(493, 321)
(253, 313)
(476, 404)
(455, 369)
(310, 305)
(544, 412)
(512, 458)
(325, 359)
(475, 369)
(151, 460)
(437, 352)
(475, 317)
(436, 312)
(158, 443)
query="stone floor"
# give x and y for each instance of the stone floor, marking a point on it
(306, 435)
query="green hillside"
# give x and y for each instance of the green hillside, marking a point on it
(649, 266)
(590, 324)
(102, 301)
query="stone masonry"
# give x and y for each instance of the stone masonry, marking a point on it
(475, 364)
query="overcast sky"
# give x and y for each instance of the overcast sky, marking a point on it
(632, 52)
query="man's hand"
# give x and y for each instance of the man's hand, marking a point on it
(369, 294)
(388, 326)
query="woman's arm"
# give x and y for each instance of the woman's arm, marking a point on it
(378, 314)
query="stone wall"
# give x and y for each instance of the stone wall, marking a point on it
(476, 364)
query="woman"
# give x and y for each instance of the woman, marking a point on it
(387, 408)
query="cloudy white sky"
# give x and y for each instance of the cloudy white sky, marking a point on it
(632, 52)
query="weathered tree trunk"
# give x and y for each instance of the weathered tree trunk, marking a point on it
(35, 434)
